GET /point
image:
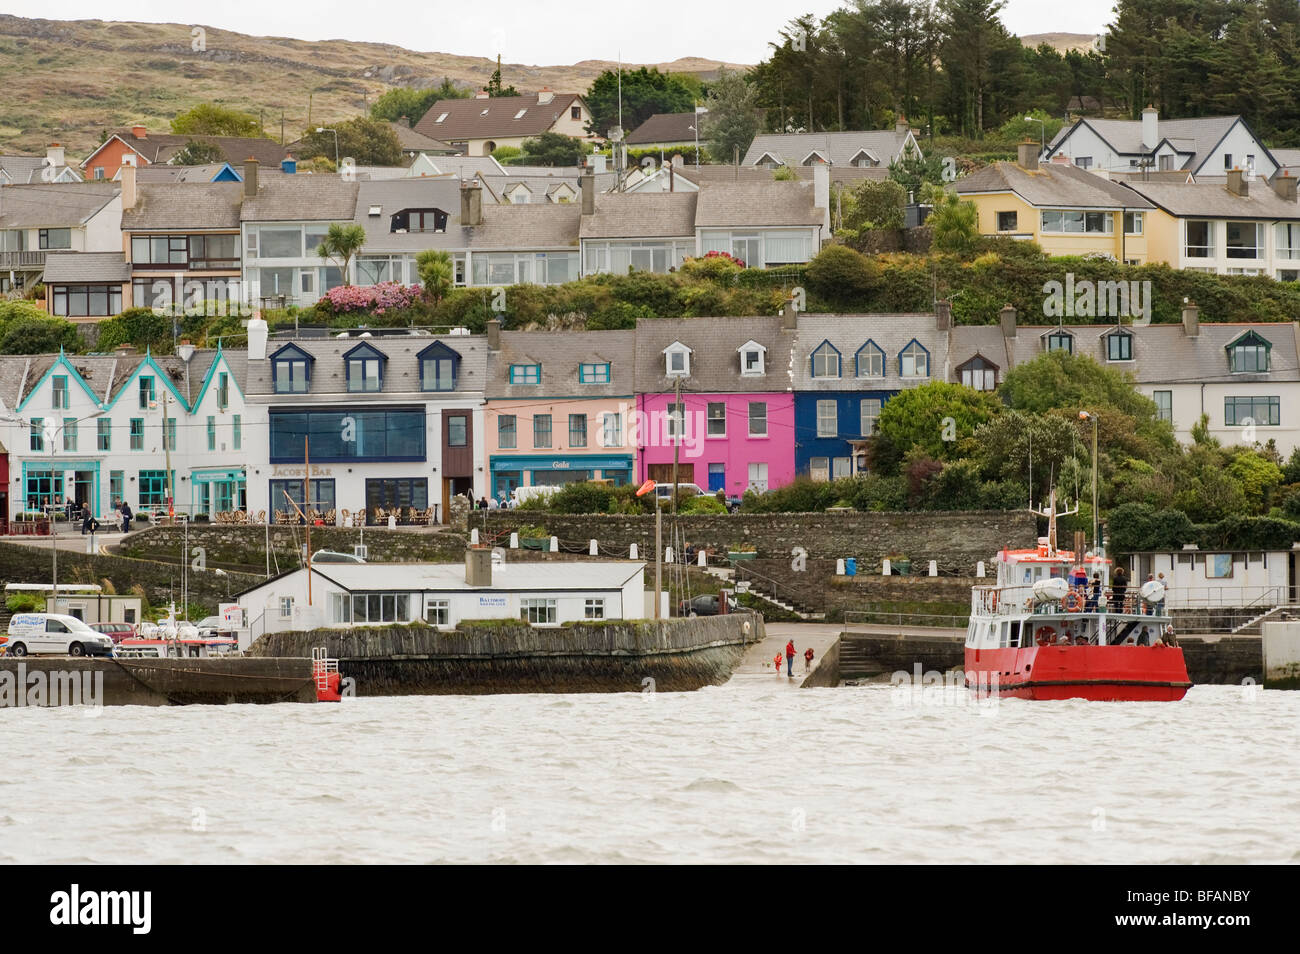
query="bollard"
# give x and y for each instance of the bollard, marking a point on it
(979, 568)
(851, 566)
(934, 567)
(473, 537)
(555, 545)
(514, 541)
(592, 549)
(702, 558)
(392, 522)
(839, 567)
(884, 567)
(632, 552)
(668, 554)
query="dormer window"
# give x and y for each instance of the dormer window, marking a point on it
(752, 358)
(1249, 354)
(291, 370)
(677, 360)
(815, 158)
(914, 361)
(525, 374)
(768, 161)
(870, 361)
(365, 369)
(979, 374)
(439, 366)
(1059, 340)
(864, 159)
(1119, 346)
(593, 373)
(419, 220)
(825, 361)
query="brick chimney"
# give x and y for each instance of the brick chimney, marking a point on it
(1191, 319)
(901, 127)
(250, 178)
(942, 314)
(494, 334)
(1008, 318)
(139, 132)
(1284, 185)
(1237, 183)
(545, 95)
(481, 94)
(1027, 155)
(789, 316)
(471, 203)
(127, 180)
(588, 192)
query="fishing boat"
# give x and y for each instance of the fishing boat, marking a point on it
(1039, 633)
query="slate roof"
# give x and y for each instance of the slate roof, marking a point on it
(201, 173)
(773, 203)
(104, 374)
(839, 147)
(185, 205)
(161, 147)
(849, 333)
(560, 355)
(394, 195)
(475, 118)
(401, 371)
(642, 214)
(715, 173)
(1288, 159)
(1214, 201)
(664, 127)
(1052, 185)
(63, 267)
(533, 226)
(301, 199)
(1195, 136)
(53, 204)
(29, 169)
(715, 360)
(412, 141)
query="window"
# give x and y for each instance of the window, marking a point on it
(419, 220)
(291, 375)
(577, 430)
(104, 437)
(758, 476)
(1200, 239)
(676, 420)
(1254, 410)
(1164, 405)
(575, 112)
(223, 391)
(169, 434)
(1078, 221)
(348, 434)
(59, 393)
(153, 488)
(36, 434)
(286, 607)
(1245, 239)
(751, 358)
(279, 242)
(593, 373)
(437, 612)
(819, 469)
(365, 373)
(506, 433)
(44, 489)
(146, 392)
(381, 607)
(612, 431)
(870, 411)
(525, 374)
(115, 486)
(457, 430)
(137, 433)
(979, 374)
(1083, 162)
(717, 419)
(1060, 341)
(1227, 161)
(1248, 354)
(1133, 223)
(70, 434)
(1119, 347)
(55, 238)
(593, 609)
(758, 419)
(283, 491)
(827, 419)
(1007, 221)
(1218, 566)
(841, 467)
(537, 611)
(825, 361)
(541, 430)
(914, 362)
(871, 361)
(1288, 240)
(212, 433)
(678, 360)
(79, 301)
(236, 433)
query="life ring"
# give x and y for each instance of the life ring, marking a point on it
(1044, 635)
(1073, 602)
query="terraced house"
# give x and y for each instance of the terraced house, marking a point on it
(36, 220)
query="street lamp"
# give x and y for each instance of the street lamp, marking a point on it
(1042, 133)
(1090, 416)
(321, 129)
(51, 433)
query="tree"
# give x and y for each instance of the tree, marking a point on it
(494, 84)
(875, 205)
(955, 225)
(42, 335)
(645, 91)
(207, 119)
(553, 149)
(937, 420)
(436, 272)
(370, 142)
(197, 153)
(842, 275)
(403, 102)
(913, 172)
(732, 120)
(340, 244)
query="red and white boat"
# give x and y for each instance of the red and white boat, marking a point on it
(1037, 635)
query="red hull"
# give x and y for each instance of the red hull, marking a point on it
(1099, 673)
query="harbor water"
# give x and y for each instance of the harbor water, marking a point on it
(753, 771)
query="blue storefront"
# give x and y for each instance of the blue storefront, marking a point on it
(535, 470)
(830, 427)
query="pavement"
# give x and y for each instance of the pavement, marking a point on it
(757, 661)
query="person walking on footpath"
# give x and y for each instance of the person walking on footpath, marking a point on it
(789, 658)
(126, 517)
(776, 661)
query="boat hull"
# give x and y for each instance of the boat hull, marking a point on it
(1099, 673)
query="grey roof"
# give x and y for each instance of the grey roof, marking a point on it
(731, 204)
(1214, 201)
(1162, 354)
(394, 195)
(1288, 159)
(533, 226)
(560, 354)
(162, 147)
(1053, 184)
(165, 173)
(476, 118)
(412, 141)
(104, 374)
(664, 127)
(715, 356)
(538, 186)
(185, 205)
(642, 215)
(1196, 137)
(850, 333)
(401, 372)
(53, 204)
(301, 199)
(839, 148)
(31, 169)
(64, 267)
(466, 167)
(711, 173)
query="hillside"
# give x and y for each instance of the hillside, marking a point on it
(1061, 42)
(67, 80)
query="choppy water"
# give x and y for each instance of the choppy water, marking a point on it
(754, 771)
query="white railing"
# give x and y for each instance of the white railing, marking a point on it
(1215, 597)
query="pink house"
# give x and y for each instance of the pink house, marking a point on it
(736, 429)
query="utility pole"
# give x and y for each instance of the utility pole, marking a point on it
(659, 552)
(680, 412)
(167, 451)
(306, 496)
(1096, 517)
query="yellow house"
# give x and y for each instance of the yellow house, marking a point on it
(1065, 209)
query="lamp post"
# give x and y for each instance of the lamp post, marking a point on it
(51, 433)
(1042, 134)
(1090, 416)
(321, 129)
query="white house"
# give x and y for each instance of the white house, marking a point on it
(55, 216)
(863, 148)
(1204, 579)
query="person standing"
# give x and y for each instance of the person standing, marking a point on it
(126, 517)
(1160, 603)
(776, 661)
(789, 658)
(807, 659)
(1118, 589)
(1094, 594)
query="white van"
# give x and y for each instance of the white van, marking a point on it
(32, 634)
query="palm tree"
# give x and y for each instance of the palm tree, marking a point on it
(341, 244)
(436, 273)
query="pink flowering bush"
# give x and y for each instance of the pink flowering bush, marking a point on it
(375, 299)
(714, 266)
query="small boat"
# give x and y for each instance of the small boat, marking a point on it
(1038, 634)
(160, 647)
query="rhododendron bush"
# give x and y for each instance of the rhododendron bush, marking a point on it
(370, 298)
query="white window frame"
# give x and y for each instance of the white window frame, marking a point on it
(828, 418)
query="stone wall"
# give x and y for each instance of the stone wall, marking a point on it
(818, 587)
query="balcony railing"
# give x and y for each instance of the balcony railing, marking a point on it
(35, 259)
(194, 265)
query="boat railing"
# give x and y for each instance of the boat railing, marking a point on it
(1018, 600)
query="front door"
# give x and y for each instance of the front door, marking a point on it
(504, 483)
(83, 490)
(717, 477)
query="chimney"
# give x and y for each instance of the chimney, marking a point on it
(289, 165)
(1008, 318)
(127, 180)
(588, 193)
(901, 128)
(185, 350)
(1027, 155)
(789, 316)
(942, 314)
(1237, 183)
(404, 121)
(1191, 319)
(544, 96)
(257, 335)
(1060, 158)
(481, 94)
(822, 195)
(250, 178)
(1284, 185)
(1150, 127)
(494, 334)
(54, 156)
(471, 203)
(478, 566)
(139, 132)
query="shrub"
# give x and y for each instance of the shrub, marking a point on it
(377, 299)
(25, 602)
(584, 497)
(713, 266)
(840, 274)
(531, 531)
(701, 505)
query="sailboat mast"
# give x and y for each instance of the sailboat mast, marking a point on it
(306, 496)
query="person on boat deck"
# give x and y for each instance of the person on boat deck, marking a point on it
(1118, 588)
(1078, 577)
(1094, 594)
(1144, 637)
(1065, 639)
(1169, 638)
(1148, 608)
(1160, 604)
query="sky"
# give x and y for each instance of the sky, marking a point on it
(542, 32)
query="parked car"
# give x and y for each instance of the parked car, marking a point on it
(704, 605)
(665, 491)
(32, 634)
(211, 626)
(115, 631)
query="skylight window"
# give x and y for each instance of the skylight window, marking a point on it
(441, 118)
(520, 114)
(484, 113)
(376, 209)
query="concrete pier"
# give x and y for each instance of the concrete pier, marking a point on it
(1281, 654)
